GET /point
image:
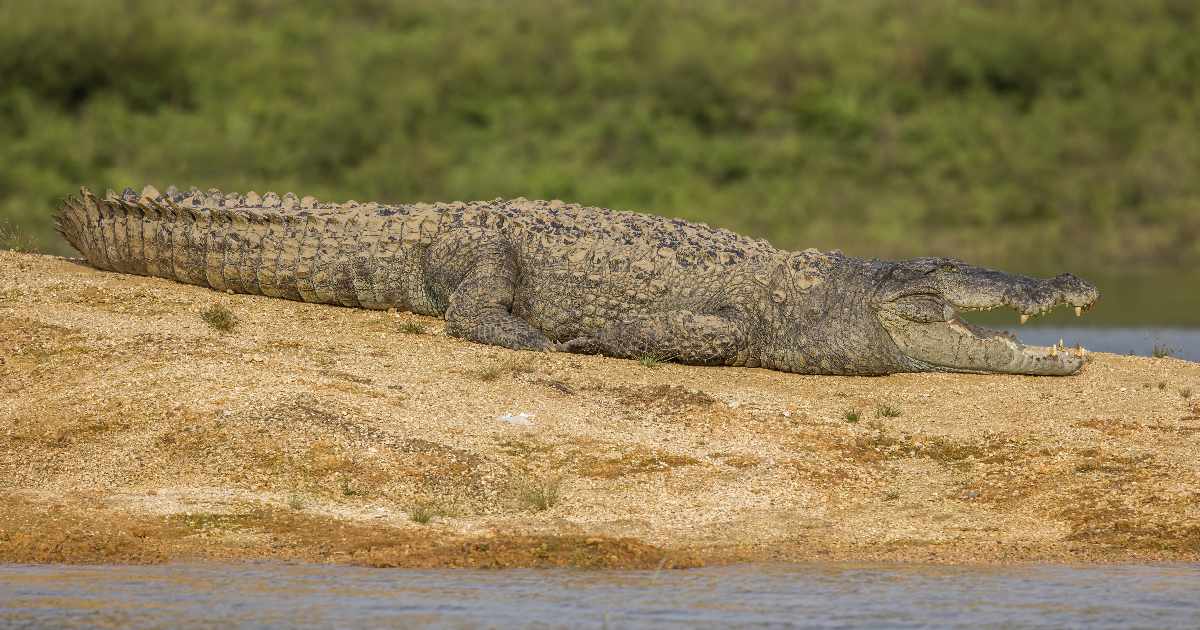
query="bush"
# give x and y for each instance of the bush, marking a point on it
(989, 130)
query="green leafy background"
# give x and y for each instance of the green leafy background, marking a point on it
(1018, 133)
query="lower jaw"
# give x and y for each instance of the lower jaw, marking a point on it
(956, 346)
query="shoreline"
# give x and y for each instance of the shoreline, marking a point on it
(133, 431)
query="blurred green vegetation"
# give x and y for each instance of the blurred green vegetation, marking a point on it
(1029, 134)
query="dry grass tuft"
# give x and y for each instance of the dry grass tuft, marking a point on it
(539, 494)
(887, 411)
(13, 238)
(422, 512)
(347, 488)
(219, 318)
(503, 367)
(411, 327)
(1162, 351)
(651, 361)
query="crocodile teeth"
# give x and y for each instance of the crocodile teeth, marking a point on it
(1024, 318)
(1078, 311)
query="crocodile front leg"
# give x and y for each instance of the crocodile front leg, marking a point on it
(480, 308)
(681, 336)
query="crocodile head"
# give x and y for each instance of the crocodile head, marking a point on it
(918, 303)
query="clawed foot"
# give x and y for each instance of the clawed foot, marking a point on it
(578, 345)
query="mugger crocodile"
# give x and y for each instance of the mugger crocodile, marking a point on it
(546, 275)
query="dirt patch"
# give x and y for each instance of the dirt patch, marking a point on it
(500, 368)
(131, 431)
(634, 462)
(31, 532)
(556, 385)
(1110, 426)
(664, 399)
(1111, 507)
(34, 532)
(584, 552)
(526, 449)
(135, 302)
(880, 445)
(59, 429)
(328, 449)
(31, 349)
(737, 460)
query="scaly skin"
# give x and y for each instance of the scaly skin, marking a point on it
(537, 275)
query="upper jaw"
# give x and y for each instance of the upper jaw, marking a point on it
(977, 288)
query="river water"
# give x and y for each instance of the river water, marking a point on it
(1136, 314)
(1183, 343)
(274, 595)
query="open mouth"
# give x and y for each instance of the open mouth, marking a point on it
(983, 332)
(931, 330)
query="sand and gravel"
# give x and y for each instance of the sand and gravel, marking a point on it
(134, 430)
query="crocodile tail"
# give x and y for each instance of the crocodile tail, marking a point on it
(87, 223)
(268, 245)
(71, 224)
(114, 233)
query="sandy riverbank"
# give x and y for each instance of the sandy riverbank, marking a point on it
(133, 431)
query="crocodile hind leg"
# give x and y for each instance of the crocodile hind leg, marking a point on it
(480, 308)
(681, 336)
